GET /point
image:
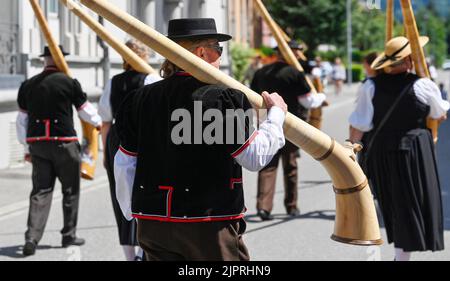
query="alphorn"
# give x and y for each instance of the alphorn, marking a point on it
(55, 51)
(288, 39)
(127, 54)
(356, 220)
(90, 134)
(418, 54)
(316, 113)
(389, 20)
(285, 36)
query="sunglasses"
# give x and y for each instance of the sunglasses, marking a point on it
(216, 47)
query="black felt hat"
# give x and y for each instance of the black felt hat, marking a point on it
(195, 29)
(293, 45)
(48, 54)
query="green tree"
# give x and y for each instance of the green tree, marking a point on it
(433, 26)
(369, 28)
(313, 21)
(241, 56)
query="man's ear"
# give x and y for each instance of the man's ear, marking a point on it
(198, 52)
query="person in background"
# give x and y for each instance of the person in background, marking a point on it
(115, 92)
(45, 126)
(444, 93)
(319, 72)
(338, 75)
(393, 109)
(432, 70)
(252, 68)
(291, 84)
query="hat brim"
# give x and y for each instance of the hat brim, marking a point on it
(423, 40)
(49, 55)
(219, 36)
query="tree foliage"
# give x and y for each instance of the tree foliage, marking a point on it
(324, 22)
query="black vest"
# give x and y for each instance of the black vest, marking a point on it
(287, 81)
(409, 114)
(122, 84)
(181, 182)
(48, 99)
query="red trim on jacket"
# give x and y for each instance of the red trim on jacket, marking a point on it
(182, 73)
(188, 220)
(234, 181)
(129, 153)
(245, 145)
(47, 127)
(35, 139)
(169, 199)
(47, 136)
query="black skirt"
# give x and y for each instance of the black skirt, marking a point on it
(127, 229)
(403, 170)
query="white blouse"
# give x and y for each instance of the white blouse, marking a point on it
(425, 90)
(104, 106)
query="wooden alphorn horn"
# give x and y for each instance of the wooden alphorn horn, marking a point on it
(358, 224)
(90, 134)
(316, 113)
(389, 20)
(127, 54)
(55, 51)
(417, 55)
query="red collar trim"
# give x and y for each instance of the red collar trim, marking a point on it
(51, 68)
(182, 73)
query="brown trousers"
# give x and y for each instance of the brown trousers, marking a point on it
(203, 241)
(267, 179)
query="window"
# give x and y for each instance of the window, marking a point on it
(52, 7)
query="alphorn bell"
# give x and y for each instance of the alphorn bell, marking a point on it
(356, 221)
(90, 134)
(417, 55)
(316, 113)
(127, 54)
(389, 20)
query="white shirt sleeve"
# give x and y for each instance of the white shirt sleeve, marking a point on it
(316, 72)
(362, 117)
(152, 78)
(104, 105)
(124, 174)
(87, 112)
(428, 92)
(312, 100)
(264, 143)
(21, 129)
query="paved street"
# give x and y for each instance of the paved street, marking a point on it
(303, 238)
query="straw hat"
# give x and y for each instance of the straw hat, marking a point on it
(396, 49)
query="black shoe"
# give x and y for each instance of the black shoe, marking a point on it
(72, 241)
(293, 212)
(265, 215)
(29, 248)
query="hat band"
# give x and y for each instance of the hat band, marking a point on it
(196, 32)
(392, 57)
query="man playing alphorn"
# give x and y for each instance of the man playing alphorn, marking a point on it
(45, 125)
(187, 191)
(291, 84)
(115, 92)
